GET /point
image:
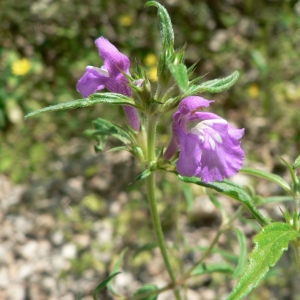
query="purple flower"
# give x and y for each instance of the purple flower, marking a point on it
(210, 150)
(109, 76)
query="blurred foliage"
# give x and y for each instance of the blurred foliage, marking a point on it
(47, 44)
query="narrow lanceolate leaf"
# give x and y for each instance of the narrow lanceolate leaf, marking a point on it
(103, 284)
(270, 244)
(188, 196)
(296, 163)
(213, 268)
(165, 24)
(145, 247)
(274, 199)
(218, 205)
(232, 190)
(214, 86)
(242, 255)
(226, 254)
(115, 269)
(268, 176)
(106, 98)
(149, 291)
(180, 75)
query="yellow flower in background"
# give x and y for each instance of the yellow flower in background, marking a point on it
(150, 60)
(152, 73)
(253, 90)
(125, 20)
(21, 67)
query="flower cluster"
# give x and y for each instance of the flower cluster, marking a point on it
(210, 150)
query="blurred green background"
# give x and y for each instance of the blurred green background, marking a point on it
(46, 45)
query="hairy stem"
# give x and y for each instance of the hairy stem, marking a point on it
(150, 181)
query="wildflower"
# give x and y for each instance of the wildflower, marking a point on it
(21, 67)
(109, 76)
(125, 20)
(253, 90)
(151, 63)
(150, 60)
(210, 150)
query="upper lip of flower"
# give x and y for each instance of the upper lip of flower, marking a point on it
(102, 71)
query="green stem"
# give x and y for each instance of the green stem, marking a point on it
(150, 181)
(296, 247)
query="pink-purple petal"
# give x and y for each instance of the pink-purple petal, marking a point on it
(189, 161)
(91, 82)
(114, 61)
(132, 117)
(192, 103)
(119, 84)
(110, 76)
(210, 150)
(222, 156)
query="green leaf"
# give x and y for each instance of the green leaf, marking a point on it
(260, 61)
(296, 163)
(149, 291)
(275, 199)
(103, 284)
(212, 268)
(270, 243)
(165, 24)
(119, 149)
(188, 196)
(145, 247)
(180, 75)
(101, 143)
(106, 98)
(232, 190)
(268, 176)
(242, 255)
(115, 269)
(105, 127)
(218, 205)
(213, 86)
(226, 254)
(144, 175)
